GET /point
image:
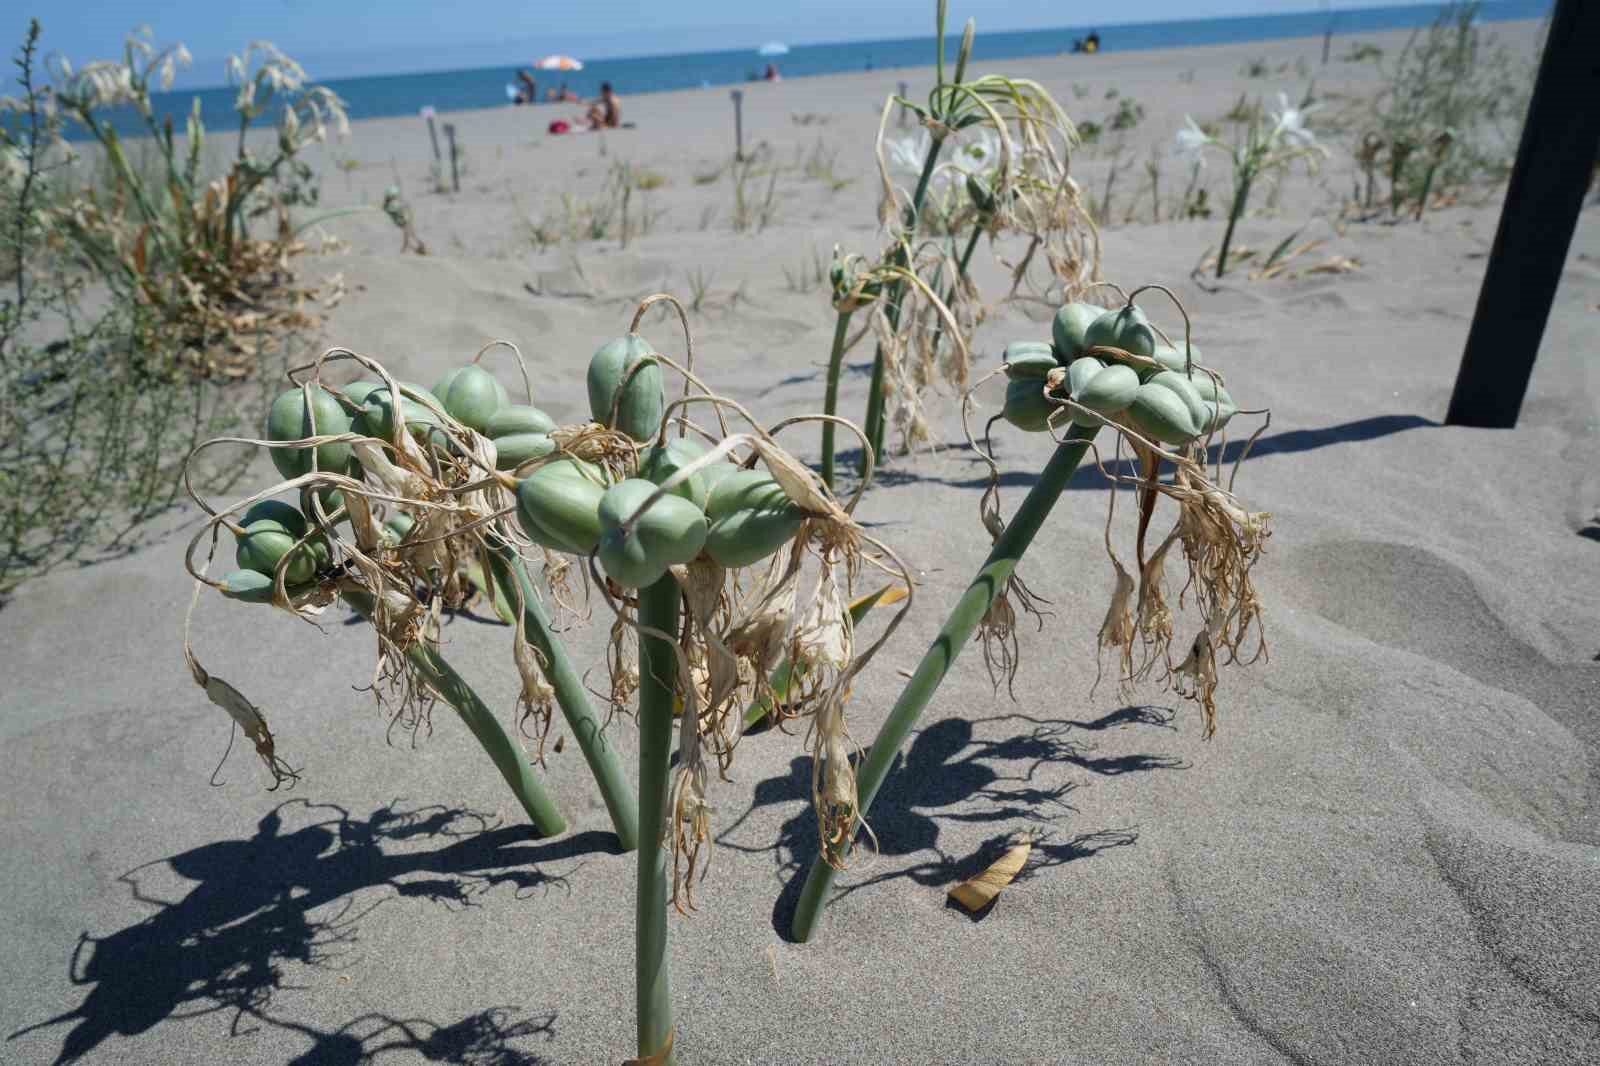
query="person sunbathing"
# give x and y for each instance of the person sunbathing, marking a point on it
(605, 112)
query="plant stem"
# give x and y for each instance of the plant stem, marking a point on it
(830, 399)
(941, 655)
(507, 755)
(613, 783)
(658, 666)
(874, 419)
(961, 275)
(1240, 196)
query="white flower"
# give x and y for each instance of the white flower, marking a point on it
(175, 58)
(1192, 141)
(1291, 123)
(909, 153)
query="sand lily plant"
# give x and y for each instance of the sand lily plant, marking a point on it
(1267, 146)
(991, 158)
(1103, 368)
(180, 242)
(729, 569)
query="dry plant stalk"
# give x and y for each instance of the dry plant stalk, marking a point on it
(1007, 175)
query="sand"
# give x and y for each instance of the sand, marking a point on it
(1390, 852)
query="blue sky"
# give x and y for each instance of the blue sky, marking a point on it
(339, 38)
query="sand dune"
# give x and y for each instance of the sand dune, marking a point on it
(1390, 852)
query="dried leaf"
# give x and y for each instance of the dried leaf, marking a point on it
(976, 893)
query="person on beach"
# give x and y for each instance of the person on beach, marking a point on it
(529, 93)
(772, 73)
(605, 112)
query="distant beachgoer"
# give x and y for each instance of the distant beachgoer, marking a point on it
(529, 93)
(567, 95)
(606, 111)
(1091, 44)
(772, 73)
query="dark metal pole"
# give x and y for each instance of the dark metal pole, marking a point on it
(738, 124)
(1548, 182)
(904, 88)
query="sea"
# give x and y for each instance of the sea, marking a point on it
(456, 90)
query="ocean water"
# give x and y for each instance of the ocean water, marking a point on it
(454, 90)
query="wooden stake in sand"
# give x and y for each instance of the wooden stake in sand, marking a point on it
(738, 125)
(1552, 173)
(904, 88)
(433, 133)
(455, 171)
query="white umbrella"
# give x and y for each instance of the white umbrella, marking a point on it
(773, 48)
(558, 63)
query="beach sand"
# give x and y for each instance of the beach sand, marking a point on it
(1389, 853)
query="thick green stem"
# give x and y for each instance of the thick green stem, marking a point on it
(615, 789)
(941, 655)
(507, 755)
(658, 666)
(830, 399)
(1240, 196)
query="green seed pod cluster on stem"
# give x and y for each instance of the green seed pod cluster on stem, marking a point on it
(1112, 368)
(724, 559)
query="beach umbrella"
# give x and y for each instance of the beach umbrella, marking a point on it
(773, 48)
(558, 63)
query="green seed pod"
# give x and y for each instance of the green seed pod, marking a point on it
(377, 414)
(357, 391)
(672, 531)
(264, 543)
(1026, 406)
(514, 449)
(743, 490)
(1161, 414)
(656, 465)
(1126, 328)
(713, 474)
(1069, 328)
(642, 401)
(395, 527)
(518, 418)
(980, 193)
(558, 505)
(1172, 358)
(743, 537)
(1219, 405)
(247, 586)
(471, 395)
(286, 516)
(332, 499)
(1080, 372)
(1029, 360)
(1185, 390)
(289, 419)
(1108, 392)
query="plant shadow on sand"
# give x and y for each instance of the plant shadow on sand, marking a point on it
(293, 894)
(949, 775)
(1089, 476)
